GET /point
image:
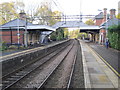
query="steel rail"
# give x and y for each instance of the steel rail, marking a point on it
(27, 64)
(10, 85)
(45, 80)
(71, 74)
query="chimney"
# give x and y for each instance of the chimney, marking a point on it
(112, 13)
(22, 15)
(104, 14)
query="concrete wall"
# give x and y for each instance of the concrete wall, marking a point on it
(16, 62)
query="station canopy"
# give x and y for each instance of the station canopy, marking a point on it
(90, 29)
(77, 24)
(22, 24)
(69, 24)
(43, 27)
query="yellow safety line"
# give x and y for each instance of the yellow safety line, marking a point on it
(105, 62)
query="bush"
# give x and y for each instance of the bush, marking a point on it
(3, 46)
(13, 47)
(22, 47)
(57, 35)
(53, 36)
(114, 36)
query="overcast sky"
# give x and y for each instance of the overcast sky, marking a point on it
(87, 6)
(72, 7)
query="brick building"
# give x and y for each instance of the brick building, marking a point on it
(19, 31)
(104, 20)
(13, 31)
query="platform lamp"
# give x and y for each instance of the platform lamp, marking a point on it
(18, 32)
(25, 33)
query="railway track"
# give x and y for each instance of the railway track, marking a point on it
(38, 75)
(56, 72)
(42, 85)
(45, 72)
(14, 77)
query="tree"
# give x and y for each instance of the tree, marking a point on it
(46, 15)
(118, 16)
(58, 34)
(8, 11)
(66, 33)
(19, 6)
(43, 12)
(74, 33)
(55, 17)
(89, 22)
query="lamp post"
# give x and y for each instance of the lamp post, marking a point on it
(25, 34)
(18, 33)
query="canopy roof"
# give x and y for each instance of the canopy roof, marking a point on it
(77, 24)
(69, 24)
(32, 27)
(90, 29)
(22, 24)
(110, 22)
(16, 23)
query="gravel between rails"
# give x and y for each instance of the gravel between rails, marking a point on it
(33, 81)
(78, 74)
(61, 76)
(29, 68)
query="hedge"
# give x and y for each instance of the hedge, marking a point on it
(114, 36)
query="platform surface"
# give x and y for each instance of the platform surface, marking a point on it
(96, 73)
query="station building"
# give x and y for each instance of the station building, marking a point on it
(20, 31)
(105, 20)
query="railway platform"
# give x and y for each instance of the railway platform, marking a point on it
(4, 53)
(16, 53)
(97, 74)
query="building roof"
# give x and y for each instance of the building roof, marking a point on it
(110, 22)
(77, 24)
(32, 27)
(99, 16)
(69, 24)
(90, 28)
(16, 23)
